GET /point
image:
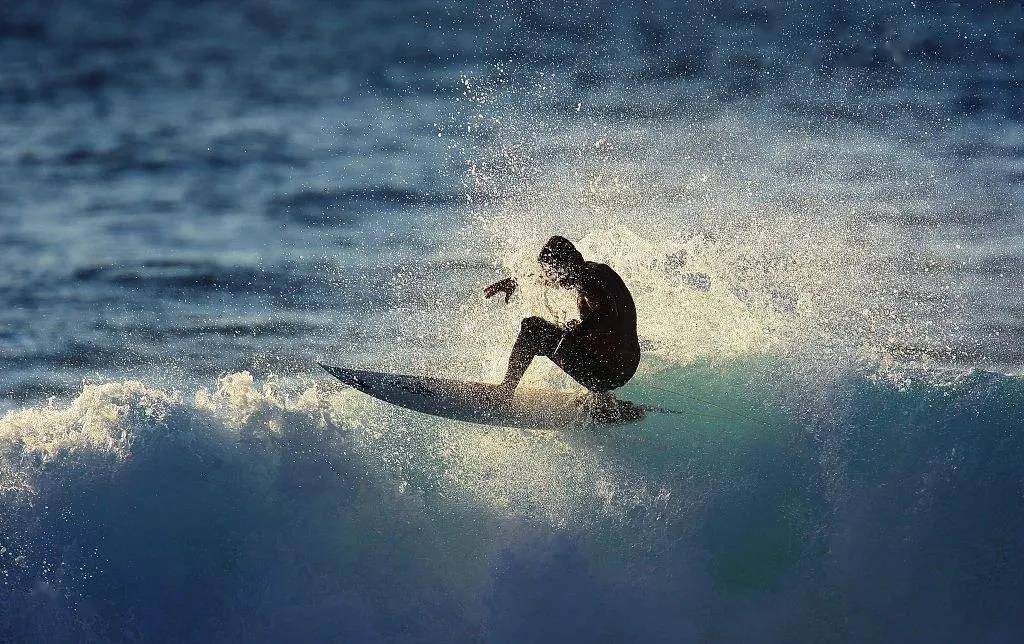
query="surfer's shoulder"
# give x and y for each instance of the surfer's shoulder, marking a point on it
(601, 272)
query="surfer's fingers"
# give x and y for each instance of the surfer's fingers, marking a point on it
(497, 287)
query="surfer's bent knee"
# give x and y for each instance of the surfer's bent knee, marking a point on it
(541, 335)
(534, 322)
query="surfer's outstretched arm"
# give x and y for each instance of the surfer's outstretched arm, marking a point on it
(506, 286)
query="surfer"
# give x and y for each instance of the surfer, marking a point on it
(601, 351)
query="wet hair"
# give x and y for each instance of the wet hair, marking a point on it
(559, 251)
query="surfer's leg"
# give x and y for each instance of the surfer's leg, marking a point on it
(583, 362)
(537, 337)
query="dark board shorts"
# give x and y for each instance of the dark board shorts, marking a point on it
(577, 359)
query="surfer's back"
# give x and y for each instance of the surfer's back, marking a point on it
(603, 287)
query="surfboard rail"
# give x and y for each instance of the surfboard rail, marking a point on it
(481, 403)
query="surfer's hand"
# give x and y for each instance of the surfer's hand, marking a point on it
(506, 286)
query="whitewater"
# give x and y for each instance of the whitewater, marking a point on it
(266, 513)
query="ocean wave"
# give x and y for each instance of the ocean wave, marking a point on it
(805, 201)
(263, 509)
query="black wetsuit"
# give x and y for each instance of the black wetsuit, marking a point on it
(602, 352)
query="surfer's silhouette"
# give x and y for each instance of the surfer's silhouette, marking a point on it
(602, 350)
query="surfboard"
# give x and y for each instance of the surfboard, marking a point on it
(477, 402)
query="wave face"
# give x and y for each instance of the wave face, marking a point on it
(248, 512)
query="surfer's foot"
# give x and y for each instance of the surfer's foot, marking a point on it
(604, 407)
(602, 401)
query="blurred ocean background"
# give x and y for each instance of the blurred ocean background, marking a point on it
(818, 207)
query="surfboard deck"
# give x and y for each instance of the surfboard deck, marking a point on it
(477, 402)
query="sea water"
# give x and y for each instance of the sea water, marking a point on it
(818, 211)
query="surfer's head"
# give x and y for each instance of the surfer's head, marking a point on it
(561, 261)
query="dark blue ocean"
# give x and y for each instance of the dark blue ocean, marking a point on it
(819, 208)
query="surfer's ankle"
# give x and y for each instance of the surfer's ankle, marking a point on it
(505, 388)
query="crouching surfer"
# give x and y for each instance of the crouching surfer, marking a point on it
(601, 351)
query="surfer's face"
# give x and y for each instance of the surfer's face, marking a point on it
(559, 274)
